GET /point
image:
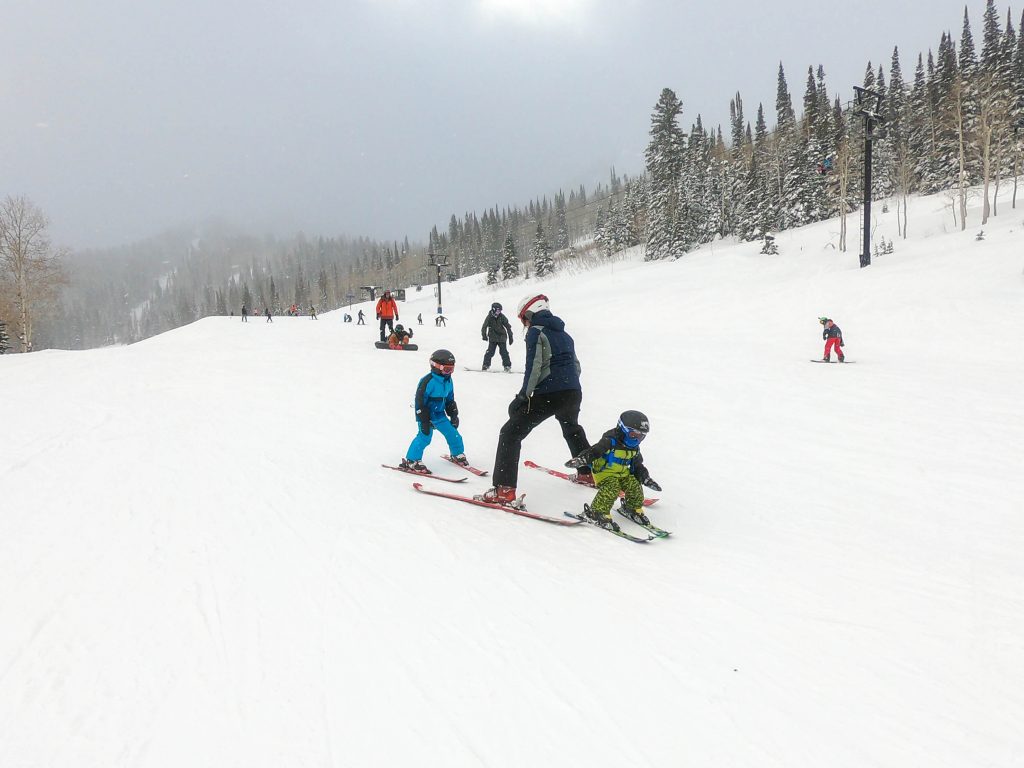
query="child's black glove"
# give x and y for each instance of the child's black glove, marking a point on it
(576, 462)
(454, 419)
(649, 482)
(426, 426)
(840, 342)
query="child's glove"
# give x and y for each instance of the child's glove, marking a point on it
(841, 343)
(426, 426)
(454, 419)
(649, 482)
(483, 338)
(576, 462)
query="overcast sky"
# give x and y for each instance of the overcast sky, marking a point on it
(383, 117)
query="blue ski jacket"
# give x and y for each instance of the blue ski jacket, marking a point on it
(435, 398)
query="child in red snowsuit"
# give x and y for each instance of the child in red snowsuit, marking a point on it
(833, 338)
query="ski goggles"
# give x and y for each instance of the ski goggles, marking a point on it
(631, 434)
(445, 368)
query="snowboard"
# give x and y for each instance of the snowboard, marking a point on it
(499, 369)
(845, 362)
(406, 348)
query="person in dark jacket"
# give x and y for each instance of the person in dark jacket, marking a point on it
(494, 331)
(266, 311)
(833, 338)
(551, 387)
(362, 320)
(245, 314)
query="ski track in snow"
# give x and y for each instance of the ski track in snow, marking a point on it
(201, 562)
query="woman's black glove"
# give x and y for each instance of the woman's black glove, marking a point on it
(520, 404)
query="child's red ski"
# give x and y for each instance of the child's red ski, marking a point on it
(426, 474)
(572, 479)
(514, 510)
(474, 470)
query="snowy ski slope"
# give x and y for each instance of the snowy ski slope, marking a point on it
(203, 564)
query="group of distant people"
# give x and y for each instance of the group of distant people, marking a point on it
(293, 311)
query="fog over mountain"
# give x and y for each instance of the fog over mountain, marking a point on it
(381, 118)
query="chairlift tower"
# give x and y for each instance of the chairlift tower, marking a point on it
(869, 105)
(440, 261)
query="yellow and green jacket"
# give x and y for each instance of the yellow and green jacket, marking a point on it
(611, 456)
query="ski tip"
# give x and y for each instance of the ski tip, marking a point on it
(418, 486)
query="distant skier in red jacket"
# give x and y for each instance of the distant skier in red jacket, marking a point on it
(387, 313)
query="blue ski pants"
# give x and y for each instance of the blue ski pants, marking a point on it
(421, 441)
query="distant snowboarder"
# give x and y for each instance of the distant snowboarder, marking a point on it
(361, 320)
(266, 311)
(833, 337)
(494, 331)
(400, 337)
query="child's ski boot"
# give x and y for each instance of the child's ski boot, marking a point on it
(601, 521)
(636, 515)
(414, 466)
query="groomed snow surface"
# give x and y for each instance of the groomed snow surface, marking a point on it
(202, 562)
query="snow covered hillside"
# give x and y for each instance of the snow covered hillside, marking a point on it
(202, 562)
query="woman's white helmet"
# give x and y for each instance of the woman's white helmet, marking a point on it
(534, 302)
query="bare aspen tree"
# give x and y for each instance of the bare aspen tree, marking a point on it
(843, 168)
(30, 264)
(904, 167)
(957, 118)
(992, 123)
(1018, 150)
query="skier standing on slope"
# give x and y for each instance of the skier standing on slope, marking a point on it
(618, 466)
(362, 321)
(387, 313)
(833, 338)
(551, 387)
(436, 408)
(494, 331)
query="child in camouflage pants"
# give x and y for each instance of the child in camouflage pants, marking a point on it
(618, 468)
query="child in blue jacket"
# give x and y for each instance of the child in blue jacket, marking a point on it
(436, 409)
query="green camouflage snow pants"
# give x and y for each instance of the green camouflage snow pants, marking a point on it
(608, 488)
